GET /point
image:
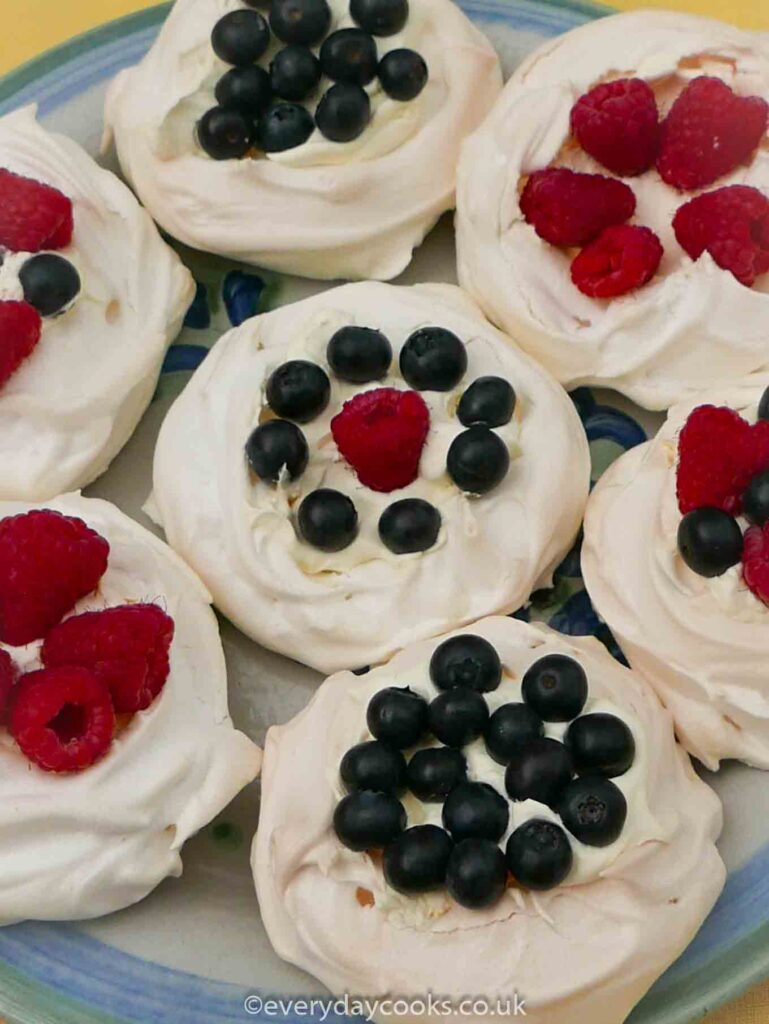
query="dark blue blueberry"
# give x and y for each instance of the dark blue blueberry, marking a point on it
(539, 854)
(488, 400)
(434, 772)
(349, 55)
(416, 860)
(343, 112)
(294, 72)
(600, 744)
(368, 821)
(245, 89)
(433, 359)
(710, 541)
(476, 875)
(240, 37)
(457, 717)
(539, 770)
(184, 358)
(198, 316)
(328, 520)
(409, 525)
(50, 283)
(300, 21)
(509, 728)
(285, 126)
(755, 500)
(380, 17)
(242, 293)
(403, 74)
(475, 810)
(593, 810)
(478, 460)
(225, 134)
(374, 766)
(466, 660)
(397, 716)
(275, 446)
(556, 688)
(359, 354)
(298, 390)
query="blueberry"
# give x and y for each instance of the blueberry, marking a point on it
(434, 772)
(476, 875)
(328, 520)
(416, 860)
(403, 74)
(368, 821)
(755, 500)
(246, 90)
(488, 400)
(593, 810)
(294, 72)
(359, 354)
(710, 541)
(409, 525)
(466, 660)
(50, 283)
(457, 717)
(343, 112)
(475, 810)
(240, 37)
(300, 21)
(374, 766)
(397, 716)
(539, 770)
(380, 17)
(276, 446)
(349, 55)
(285, 126)
(600, 744)
(298, 390)
(433, 359)
(478, 460)
(225, 134)
(511, 726)
(763, 406)
(539, 854)
(556, 688)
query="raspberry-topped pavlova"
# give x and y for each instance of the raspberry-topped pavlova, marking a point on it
(116, 744)
(369, 467)
(320, 139)
(613, 210)
(90, 298)
(501, 812)
(676, 559)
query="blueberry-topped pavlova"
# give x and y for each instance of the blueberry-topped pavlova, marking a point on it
(676, 558)
(485, 806)
(115, 741)
(317, 137)
(368, 467)
(90, 298)
(613, 210)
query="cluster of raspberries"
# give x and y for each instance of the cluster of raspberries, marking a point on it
(95, 665)
(33, 217)
(708, 132)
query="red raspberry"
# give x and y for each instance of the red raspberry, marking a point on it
(126, 647)
(567, 208)
(708, 132)
(33, 216)
(20, 330)
(755, 561)
(62, 718)
(8, 675)
(719, 453)
(381, 433)
(732, 224)
(47, 563)
(620, 260)
(618, 125)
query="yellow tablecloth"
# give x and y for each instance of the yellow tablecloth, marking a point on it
(36, 25)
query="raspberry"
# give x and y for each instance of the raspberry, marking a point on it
(732, 224)
(8, 675)
(755, 561)
(48, 561)
(62, 718)
(567, 208)
(618, 125)
(381, 433)
(33, 216)
(20, 330)
(621, 259)
(708, 132)
(719, 453)
(125, 647)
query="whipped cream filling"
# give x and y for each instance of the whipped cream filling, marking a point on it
(621, 917)
(702, 643)
(322, 209)
(72, 405)
(657, 345)
(357, 607)
(83, 845)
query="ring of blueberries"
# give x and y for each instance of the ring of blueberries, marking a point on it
(433, 359)
(572, 777)
(263, 108)
(49, 282)
(710, 540)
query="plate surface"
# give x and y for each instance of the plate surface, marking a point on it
(195, 949)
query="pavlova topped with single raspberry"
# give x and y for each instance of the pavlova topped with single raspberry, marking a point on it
(471, 811)
(613, 211)
(115, 741)
(368, 467)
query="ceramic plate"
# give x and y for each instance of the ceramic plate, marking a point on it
(195, 950)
